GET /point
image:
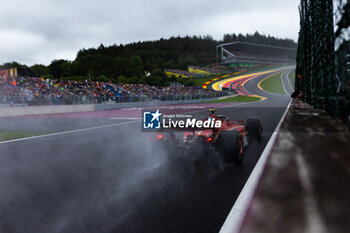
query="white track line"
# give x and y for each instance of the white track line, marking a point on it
(66, 132)
(234, 220)
(243, 86)
(99, 127)
(262, 97)
(282, 80)
(125, 118)
(291, 87)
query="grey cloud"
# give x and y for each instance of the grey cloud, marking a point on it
(70, 25)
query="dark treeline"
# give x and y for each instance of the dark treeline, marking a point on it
(128, 63)
(261, 39)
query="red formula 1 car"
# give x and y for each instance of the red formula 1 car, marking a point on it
(229, 139)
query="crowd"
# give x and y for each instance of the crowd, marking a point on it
(262, 56)
(36, 91)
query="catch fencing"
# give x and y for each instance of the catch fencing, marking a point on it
(171, 97)
(323, 56)
(20, 101)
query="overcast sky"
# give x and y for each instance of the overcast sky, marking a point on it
(38, 31)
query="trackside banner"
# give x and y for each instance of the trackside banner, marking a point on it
(153, 120)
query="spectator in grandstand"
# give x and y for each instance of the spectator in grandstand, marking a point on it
(33, 90)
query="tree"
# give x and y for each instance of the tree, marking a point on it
(142, 80)
(122, 80)
(59, 68)
(133, 80)
(138, 68)
(133, 59)
(157, 72)
(185, 61)
(14, 64)
(102, 78)
(154, 81)
(39, 70)
(170, 64)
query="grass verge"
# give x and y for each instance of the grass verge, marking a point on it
(273, 84)
(291, 77)
(239, 98)
(201, 81)
(9, 135)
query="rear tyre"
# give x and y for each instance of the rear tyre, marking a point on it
(230, 145)
(254, 128)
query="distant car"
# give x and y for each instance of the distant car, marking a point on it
(233, 91)
(229, 140)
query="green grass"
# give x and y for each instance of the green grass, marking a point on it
(201, 81)
(8, 135)
(239, 98)
(273, 84)
(292, 78)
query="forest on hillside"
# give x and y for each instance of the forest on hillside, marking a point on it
(128, 63)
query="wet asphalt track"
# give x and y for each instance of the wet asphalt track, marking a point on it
(112, 179)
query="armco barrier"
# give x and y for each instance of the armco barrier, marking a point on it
(52, 109)
(114, 106)
(47, 109)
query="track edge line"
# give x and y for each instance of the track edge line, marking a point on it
(235, 218)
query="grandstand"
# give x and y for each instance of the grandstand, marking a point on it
(24, 91)
(15, 72)
(248, 54)
(178, 73)
(207, 71)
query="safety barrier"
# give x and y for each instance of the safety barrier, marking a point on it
(323, 56)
